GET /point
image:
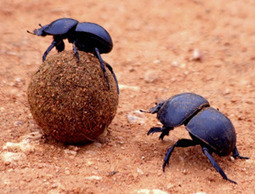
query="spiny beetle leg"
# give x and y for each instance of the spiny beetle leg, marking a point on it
(236, 154)
(76, 52)
(165, 131)
(180, 143)
(114, 76)
(154, 130)
(53, 44)
(216, 166)
(102, 66)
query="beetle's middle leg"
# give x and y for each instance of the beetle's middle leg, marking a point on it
(76, 52)
(180, 143)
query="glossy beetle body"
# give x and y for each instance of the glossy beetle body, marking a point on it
(60, 27)
(175, 111)
(208, 127)
(90, 35)
(215, 130)
(85, 36)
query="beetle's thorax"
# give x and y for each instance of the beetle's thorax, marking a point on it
(179, 109)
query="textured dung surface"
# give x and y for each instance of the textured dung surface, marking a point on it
(71, 101)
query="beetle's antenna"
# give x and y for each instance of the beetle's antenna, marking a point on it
(144, 111)
(29, 32)
(40, 25)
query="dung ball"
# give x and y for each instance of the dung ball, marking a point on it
(71, 101)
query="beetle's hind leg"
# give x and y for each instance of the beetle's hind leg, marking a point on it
(164, 131)
(102, 66)
(114, 76)
(236, 154)
(215, 165)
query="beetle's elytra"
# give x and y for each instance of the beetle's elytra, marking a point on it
(208, 127)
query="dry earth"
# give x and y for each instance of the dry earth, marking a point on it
(161, 48)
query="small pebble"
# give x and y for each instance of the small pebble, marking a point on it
(136, 117)
(150, 76)
(140, 171)
(12, 158)
(70, 152)
(23, 146)
(175, 63)
(197, 55)
(169, 186)
(153, 191)
(135, 88)
(183, 66)
(93, 177)
(156, 61)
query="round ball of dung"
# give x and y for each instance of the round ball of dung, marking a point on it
(71, 101)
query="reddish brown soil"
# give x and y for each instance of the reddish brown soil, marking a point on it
(153, 57)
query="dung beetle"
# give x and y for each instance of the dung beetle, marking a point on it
(207, 126)
(85, 36)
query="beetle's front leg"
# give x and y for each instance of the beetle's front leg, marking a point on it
(164, 131)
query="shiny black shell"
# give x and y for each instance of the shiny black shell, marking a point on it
(60, 26)
(90, 35)
(214, 129)
(180, 108)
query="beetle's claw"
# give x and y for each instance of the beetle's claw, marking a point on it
(154, 130)
(241, 157)
(231, 180)
(162, 135)
(164, 165)
(107, 81)
(236, 154)
(114, 76)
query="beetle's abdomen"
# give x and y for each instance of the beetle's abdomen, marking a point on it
(214, 129)
(180, 108)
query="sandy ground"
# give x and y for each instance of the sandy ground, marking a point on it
(161, 48)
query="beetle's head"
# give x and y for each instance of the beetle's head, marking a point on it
(156, 108)
(39, 31)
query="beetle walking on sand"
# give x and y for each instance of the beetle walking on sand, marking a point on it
(208, 127)
(85, 36)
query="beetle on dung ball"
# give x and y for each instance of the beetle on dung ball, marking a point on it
(85, 36)
(68, 96)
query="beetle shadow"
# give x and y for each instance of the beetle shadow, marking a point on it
(48, 140)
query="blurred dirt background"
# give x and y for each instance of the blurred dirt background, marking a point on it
(161, 48)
